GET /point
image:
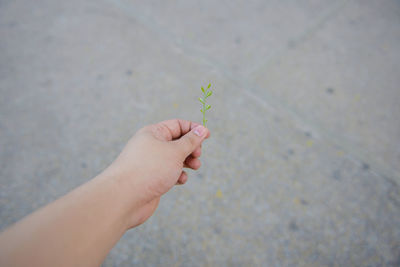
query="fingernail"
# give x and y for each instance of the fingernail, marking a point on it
(199, 130)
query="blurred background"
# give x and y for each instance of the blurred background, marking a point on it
(303, 167)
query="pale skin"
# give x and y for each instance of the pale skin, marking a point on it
(80, 228)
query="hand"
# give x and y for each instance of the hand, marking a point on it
(153, 159)
(80, 228)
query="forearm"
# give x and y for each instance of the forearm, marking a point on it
(78, 229)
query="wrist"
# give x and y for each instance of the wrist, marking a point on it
(129, 195)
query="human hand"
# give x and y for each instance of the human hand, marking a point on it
(152, 161)
(80, 228)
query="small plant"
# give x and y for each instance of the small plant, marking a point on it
(205, 106)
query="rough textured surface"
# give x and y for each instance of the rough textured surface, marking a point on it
(303, 164)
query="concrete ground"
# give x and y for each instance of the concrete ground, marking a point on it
(303, 165)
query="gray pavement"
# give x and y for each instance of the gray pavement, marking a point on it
(303, 165)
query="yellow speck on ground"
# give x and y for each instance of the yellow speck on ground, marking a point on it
(218, 194)
(296, 201)
(310, 143)
(190, 35)
(204, 244)
(175, 105)
(340, 153)
(357, 97)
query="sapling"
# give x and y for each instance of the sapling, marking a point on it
(203, 100)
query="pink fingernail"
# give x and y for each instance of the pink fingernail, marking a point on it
(199, 130)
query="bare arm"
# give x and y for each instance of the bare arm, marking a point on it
(80, 228)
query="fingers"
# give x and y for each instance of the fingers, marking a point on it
(197, 152)
(188, 143)
(173, 129)
(182, 178)
(192, 163)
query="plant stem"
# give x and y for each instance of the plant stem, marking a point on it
(204, 111)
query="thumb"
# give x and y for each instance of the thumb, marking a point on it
(190, 141)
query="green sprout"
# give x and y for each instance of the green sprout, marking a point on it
(202, 100)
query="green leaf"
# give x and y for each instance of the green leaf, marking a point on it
(202, 89)
(209, 85)
(208, 107)
(201, 100)
(201, 110)
(209, 93)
